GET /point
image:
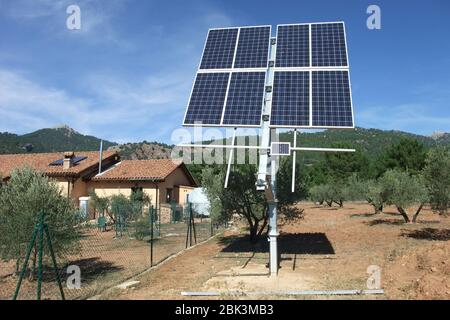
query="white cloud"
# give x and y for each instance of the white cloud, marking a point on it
(406, 117)
(111, 108)
(50, 16)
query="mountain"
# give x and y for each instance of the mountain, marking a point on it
(370, 141)
(60, 138)
(143, 150)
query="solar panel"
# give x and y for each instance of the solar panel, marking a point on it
(280, 149)
(253, 47)
(310, 86)
(331, 99)
(219, 49)
(75, 160)
(245, 99)
(207, 98)
(292, 46)
(290, 99)
(328, 45)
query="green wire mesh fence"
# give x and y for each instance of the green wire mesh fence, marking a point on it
(108, 251)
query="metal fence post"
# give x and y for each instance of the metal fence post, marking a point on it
(151, 236)
(40, 254)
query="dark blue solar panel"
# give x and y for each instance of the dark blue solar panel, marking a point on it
(290, 100)
(281, 148)
(292, 46)
(331, 100)
(253, 48)
(219, 49)
(75, 160)
(328, 45)
(207, 98)
(245, 99)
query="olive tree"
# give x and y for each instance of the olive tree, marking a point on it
(437, 178)
(241, 197)
(367, 190)
(404, 191)
(335, 192)
(27, 193)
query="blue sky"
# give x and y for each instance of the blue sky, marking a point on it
(127, 74)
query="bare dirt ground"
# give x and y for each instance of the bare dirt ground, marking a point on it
(329, 249)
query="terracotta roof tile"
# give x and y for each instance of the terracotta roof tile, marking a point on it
(41, 161)
(154, 170)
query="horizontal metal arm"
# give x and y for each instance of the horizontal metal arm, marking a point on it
(323, 149)
(219, 146)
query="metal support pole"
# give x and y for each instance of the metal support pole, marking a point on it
(230, 159)
(273, 230)
(294, 159)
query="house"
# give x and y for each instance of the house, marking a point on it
(165, 181)
(71, 171)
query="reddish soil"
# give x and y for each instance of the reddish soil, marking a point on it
(330, 249)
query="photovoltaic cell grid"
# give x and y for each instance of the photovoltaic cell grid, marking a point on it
(290, 99)
(331, 100)
(292, 46)
(328, 45)
(207, 98)
(283, 148)
(253, 47)
(219, 49)
(245, 99)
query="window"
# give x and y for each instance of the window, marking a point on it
(169, 195)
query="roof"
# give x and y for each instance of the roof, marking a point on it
(143, 170)
(41, 162)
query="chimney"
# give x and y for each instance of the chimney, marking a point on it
(68, 157)
(100, 157)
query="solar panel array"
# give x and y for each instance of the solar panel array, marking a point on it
(229, 87)
(311, 85)
(311, 80)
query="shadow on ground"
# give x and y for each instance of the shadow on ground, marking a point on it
(393, 222)
(288, 243)
(91, 268)
(428, 234)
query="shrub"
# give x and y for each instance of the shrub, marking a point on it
(26, 194)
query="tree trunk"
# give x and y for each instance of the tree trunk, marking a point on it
(330, 204)
(417, 213)
(403, 213)
(254, 233)
(266, 219)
